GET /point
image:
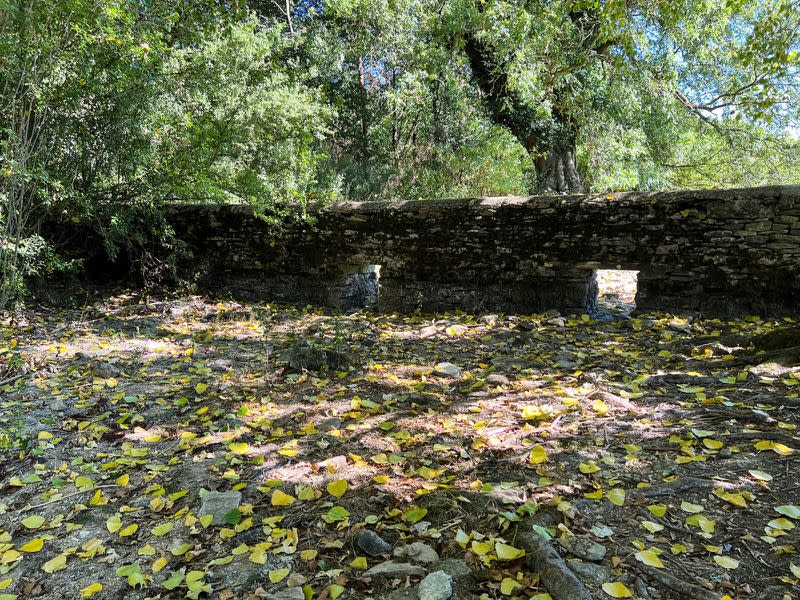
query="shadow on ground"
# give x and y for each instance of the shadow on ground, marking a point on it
(654, 452)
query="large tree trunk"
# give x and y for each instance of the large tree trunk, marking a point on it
(557, 172)
(551, 143)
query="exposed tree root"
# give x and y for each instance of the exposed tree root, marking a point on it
(775, 400)
(678, 486)
(684, 589)
(787, 357)
(616, 401)
(775, 436)
(555, 574)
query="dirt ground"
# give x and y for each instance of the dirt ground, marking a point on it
(656, 455)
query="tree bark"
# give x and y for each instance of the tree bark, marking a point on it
(362, 83)
(558, 172)
(551, 143)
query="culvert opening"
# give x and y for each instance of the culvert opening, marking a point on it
(362, 288)
(616, 292)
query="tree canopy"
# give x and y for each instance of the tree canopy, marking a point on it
(111, 109)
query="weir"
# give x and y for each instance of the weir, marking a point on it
(716, 252)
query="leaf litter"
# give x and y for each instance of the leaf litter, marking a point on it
(173, 448)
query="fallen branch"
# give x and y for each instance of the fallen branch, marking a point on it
(554, 573)
(13, 379)
(97, 487)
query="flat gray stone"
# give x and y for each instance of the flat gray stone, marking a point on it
(497, 379)
(372, 544)
(219, 504)
(330, 423)
(584, 548)
(56, 404)
(292, 593)
(590, 572)
(393, 569)
(455, 567)
(436, 586)
(448, 369)
(417, 552)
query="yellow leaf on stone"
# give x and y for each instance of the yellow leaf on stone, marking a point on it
(239, 447)
(691, 508)
(6, 583)
(334, 591)
(429, 473)
(359, 563)
(123, 479)
(790, 510)
(652, 527)
(782, 449)
(617, 589)
(55, 564)
(735, 499)
(200, 388)
(760, 475)
(782, 523)
(657, 510)
(206, 520)
(34, 545)
(649, 558)
(600, 407)
(280, 498)
(83, 483)
(163, 529)
(129, 530)
(33, 522)
(508, 586)
(480, 548)
(381, 479)
(308, 554)
(506, 552)
(587, 468)
(337, 488)
(712, 444)
(91, 589)
(616, 496)
(194, 580)
(595, 495)
(777, 447)
(726, 562)
(306, 493)
(678, 549)
(278, 575)
(707, 525)
(98, 499)
(537, 455)
(159, 564)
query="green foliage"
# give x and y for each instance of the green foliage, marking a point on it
(145, 104)
(110, 110)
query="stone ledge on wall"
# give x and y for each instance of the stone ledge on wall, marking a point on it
(719, 252)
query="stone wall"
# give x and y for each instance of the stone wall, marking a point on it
(719, 252)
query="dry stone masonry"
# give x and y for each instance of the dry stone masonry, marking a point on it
(719, 252)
